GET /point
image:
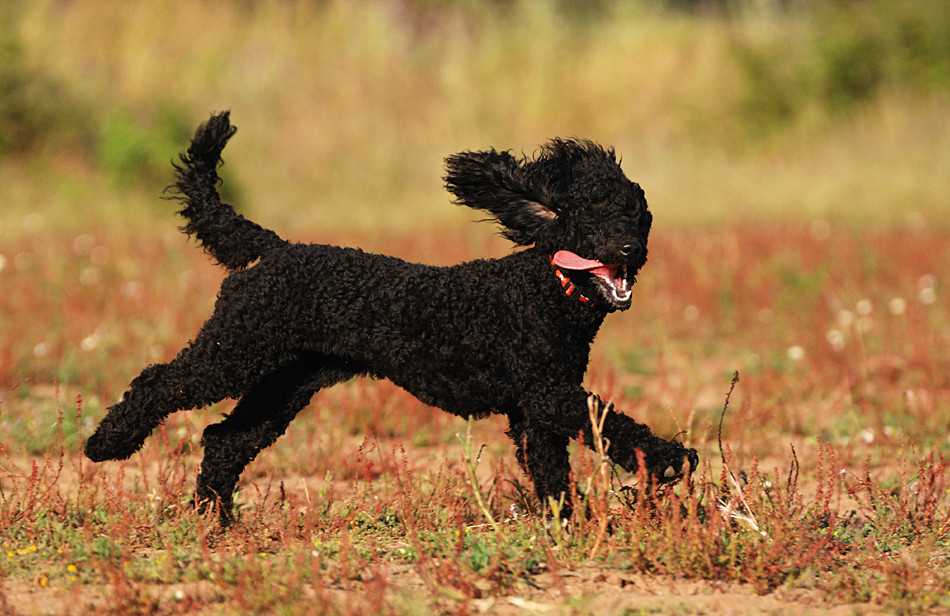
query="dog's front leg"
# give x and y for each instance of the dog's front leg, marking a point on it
(570, 415)
(543, 456)
(666, 460)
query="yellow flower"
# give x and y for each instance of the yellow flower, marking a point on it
(43, 580)
(71, 568)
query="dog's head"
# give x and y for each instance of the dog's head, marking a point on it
(572, 201)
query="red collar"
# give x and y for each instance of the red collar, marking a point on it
(570, 289)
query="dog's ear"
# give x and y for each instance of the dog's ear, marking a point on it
(498, 183)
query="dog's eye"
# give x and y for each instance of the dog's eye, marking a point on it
(629, 225)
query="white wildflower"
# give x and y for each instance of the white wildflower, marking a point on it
(90, 342)
(836, 339)
(845, 318)
(897, 306)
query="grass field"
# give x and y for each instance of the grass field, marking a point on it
(801, 241)
(837, 426)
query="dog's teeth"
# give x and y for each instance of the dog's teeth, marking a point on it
(669, 473)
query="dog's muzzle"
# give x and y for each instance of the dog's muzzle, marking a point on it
(614, 283)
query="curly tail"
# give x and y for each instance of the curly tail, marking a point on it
(231, 239)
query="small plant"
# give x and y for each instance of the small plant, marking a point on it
(471, 463)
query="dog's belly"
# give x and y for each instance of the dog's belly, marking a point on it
(454, 393)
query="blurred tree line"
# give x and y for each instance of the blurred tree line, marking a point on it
(839, 55)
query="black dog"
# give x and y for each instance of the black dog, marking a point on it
(508, 335)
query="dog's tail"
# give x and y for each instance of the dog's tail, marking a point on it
(231, 239)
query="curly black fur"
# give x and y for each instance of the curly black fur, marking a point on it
(489, 336)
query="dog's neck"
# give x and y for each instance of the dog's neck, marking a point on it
(569, 288)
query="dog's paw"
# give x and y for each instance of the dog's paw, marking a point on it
(677, 469)
(96, 449)
(107, 443)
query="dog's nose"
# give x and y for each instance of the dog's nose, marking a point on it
(629, 248)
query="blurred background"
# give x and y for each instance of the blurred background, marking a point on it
(796, 158)
(725, 111)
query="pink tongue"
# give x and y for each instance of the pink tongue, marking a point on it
(569, 260)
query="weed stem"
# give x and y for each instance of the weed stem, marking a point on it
(470, 465)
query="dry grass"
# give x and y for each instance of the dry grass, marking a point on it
(836, 433)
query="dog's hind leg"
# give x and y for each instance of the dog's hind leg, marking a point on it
(151, 397)
(203, 373)
(260, 417)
